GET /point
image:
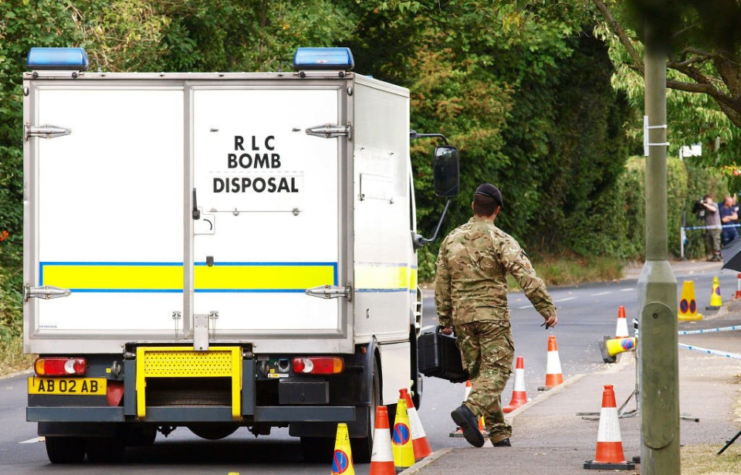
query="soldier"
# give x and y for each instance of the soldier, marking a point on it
(471, 297)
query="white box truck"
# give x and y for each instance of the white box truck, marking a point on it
(216, 250)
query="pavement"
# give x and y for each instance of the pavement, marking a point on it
(548, 436)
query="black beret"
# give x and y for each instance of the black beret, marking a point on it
(487, 189)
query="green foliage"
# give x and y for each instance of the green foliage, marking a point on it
(23, 24)
(618, 227)
(692, 117)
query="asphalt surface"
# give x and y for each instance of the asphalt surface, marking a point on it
(585, 314)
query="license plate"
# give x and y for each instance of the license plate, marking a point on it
(68, 386)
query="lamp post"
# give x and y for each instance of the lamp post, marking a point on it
(657, 289)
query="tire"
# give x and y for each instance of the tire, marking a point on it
(362, 448)
(213, 431)
(141, 436)
(392, 414)
(65, 449)
(317, 449)
(105, 450)
(415, 376)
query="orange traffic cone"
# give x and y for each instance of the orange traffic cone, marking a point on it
(553, 374)
(519, 394)
(622, 324)
(738, 287)
(420, 444)
(382, 458)
(609, 444)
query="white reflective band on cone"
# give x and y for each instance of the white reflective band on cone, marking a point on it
(622, 328)
(416, 425)
(520, 380)
(553, 365)
(609, 425)
(382, 446)
(468, 391)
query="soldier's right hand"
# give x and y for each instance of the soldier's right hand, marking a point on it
(447, 331)
(552, 321)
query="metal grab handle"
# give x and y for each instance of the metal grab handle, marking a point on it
(196, 211)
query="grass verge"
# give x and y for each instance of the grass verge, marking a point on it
(12, 358)
(701, 460)
(571, 270)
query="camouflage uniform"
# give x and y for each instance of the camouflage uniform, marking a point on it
(471, 295)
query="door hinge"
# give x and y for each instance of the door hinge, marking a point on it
(330, 131)
(46, 292)
(46, 131)
(330, 292)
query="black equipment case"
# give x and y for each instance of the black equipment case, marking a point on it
(439, 357)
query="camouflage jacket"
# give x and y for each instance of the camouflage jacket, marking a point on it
(471, 283)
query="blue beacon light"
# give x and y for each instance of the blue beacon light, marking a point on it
(57, 59)
(323, 59)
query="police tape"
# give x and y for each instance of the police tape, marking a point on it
(734, 356)
(725, 226)
(711, 330)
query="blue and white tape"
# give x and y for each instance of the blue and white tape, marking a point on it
(725, 226)
(711, 330)
(723, 354)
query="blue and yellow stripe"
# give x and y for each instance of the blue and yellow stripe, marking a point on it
(378, 277)
(260, 277)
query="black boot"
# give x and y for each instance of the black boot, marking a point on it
(503, 443)
(469, 425)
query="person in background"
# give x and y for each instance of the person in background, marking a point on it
(728, 216)
(712, 221)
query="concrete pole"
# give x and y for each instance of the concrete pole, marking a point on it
(657, 294)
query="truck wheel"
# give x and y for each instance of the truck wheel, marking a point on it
(141, 436)
(105, 449)
(362, 448)
(65, 449)
(317, 449)
(213, 431)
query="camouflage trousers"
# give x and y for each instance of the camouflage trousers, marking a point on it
(488, 351)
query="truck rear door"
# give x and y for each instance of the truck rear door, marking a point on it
(108, 220)
(268, 207)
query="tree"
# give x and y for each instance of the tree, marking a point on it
(703, 40)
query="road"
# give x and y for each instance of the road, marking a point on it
(585, 314)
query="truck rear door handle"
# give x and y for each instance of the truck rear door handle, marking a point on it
(196, 211)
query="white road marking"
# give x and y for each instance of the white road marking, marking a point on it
(626, 290)
(33, 441)
(565, 300)
(601, 293)
(524, 307)
(428, 327)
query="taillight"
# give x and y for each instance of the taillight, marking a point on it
(318, 365)
(60, 366)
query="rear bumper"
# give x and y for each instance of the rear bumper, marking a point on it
(185, 415)
(251, 398)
